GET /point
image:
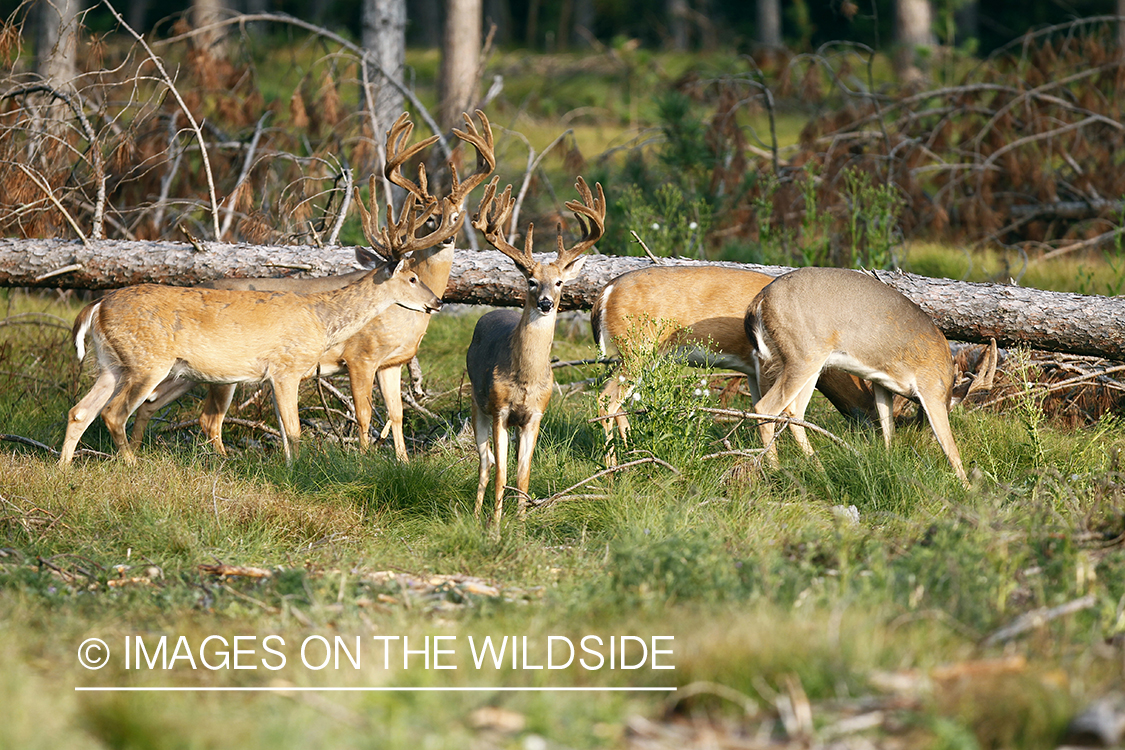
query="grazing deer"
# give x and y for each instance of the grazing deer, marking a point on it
(695, 312)
(392, 338)
(814, 318)
(149, 337)
(509, 359)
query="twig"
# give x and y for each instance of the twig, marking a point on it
(366, 58)
(249, 423)
(653, 258)
(345, 204)
(42, 185)
(781, 420)
(324, 403)
(581, 362)
(1037, 618)
(746, 452)
(52, 321)
(532, 164)
(408, 399)
(93, 148)
(267, 607)
(247, 162)
(36, 444)
(604, 472)
(59, 271)
(183, 106)
(29, 442)
(1061, 385)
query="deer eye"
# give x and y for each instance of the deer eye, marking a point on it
(558, 283)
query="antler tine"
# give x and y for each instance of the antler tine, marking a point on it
(590, 214)
(491, 217)
(395, 239)
(398, 153)
(486, 156)
(368, 219)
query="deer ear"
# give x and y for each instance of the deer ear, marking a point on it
(395, 267)
(574, 268)
(367, 259)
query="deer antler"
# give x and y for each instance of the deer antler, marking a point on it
(397, 136)
(486, 157)
(396, 239)
(590, 214)
(491, 217)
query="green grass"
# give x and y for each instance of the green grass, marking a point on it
(1085, 273)
(764, 586)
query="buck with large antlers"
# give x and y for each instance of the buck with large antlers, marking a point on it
(390, 339)
(695, 312)
(814, 318)
(150, 338)
(509, 359)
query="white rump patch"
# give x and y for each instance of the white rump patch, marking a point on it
(80, 335)
(603, 334)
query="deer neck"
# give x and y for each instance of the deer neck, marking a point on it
(434, 267)
(344, 311)
(531, 344)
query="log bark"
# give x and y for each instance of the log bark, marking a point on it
(964, 311)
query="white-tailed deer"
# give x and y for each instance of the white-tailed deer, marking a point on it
(149, 336)
(389, 340)
(696, 313)
(509, 359)
(814, 318)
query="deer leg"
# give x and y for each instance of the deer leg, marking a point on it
(167, 392)
(797, 411)
(481, 426)
(500, 451)
(885, 408)
(780, 400)
(215, 408)
(361, 379)
(938, 414)
(390, 383)
(609, 402)
(285, 404)
(529, 433)
(124, 402)
(84, 412)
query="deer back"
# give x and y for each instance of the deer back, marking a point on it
(679, 306)
(219, 335)
(849, 317)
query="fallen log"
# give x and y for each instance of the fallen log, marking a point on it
(964, 311)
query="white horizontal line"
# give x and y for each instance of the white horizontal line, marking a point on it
(271, 689)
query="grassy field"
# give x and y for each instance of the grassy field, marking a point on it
(862, 602)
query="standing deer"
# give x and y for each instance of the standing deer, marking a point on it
(814, 318)
(149, 336)
(389, 340)
(695, 312)
(509, 358)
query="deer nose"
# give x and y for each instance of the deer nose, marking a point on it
(545, 304)
(435, 307)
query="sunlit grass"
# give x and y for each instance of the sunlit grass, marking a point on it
(1085, 273)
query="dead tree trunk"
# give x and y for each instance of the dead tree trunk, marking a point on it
(1014, 316)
